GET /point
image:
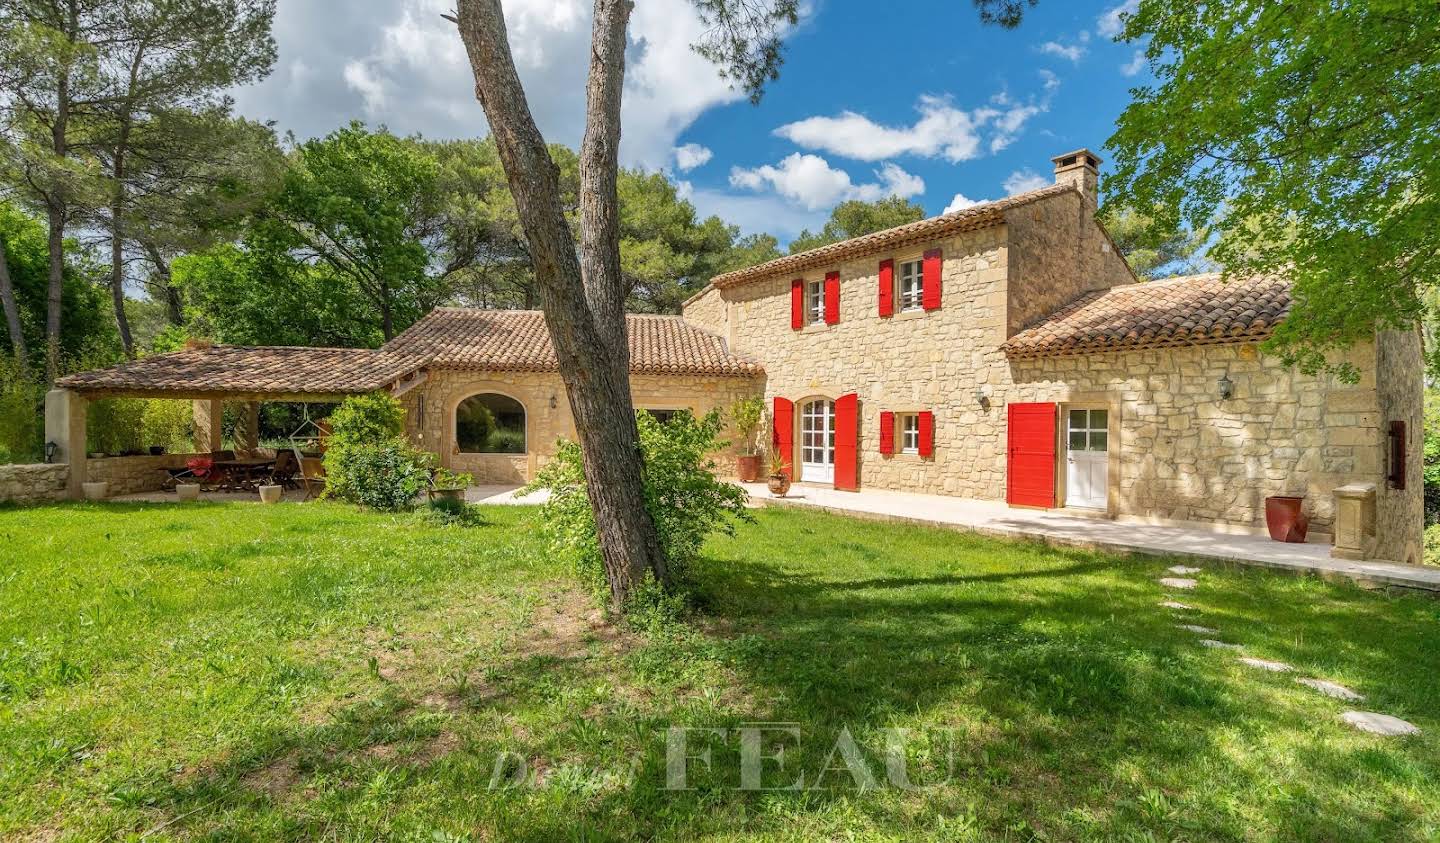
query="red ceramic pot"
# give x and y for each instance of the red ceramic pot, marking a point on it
(1285, 520)
(748, 467)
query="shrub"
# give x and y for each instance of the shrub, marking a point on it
(21, 429)
(1432, 545)
(385, 475)
(367, 420)
(746, 414)
(167, 423)
(1431, 471)
(115, 425)
(682, 495)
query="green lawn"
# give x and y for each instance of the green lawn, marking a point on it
(237, 672)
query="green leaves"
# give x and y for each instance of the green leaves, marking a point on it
(1310, 132)
(856, 217)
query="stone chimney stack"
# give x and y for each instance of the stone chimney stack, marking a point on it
(1080, 168)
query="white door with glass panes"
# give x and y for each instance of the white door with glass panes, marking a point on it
(1087, 456)
(817, 442)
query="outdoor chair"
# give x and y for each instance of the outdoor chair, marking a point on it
(287, 465)
(312, 476)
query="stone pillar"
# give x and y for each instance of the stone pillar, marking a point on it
(1080, 168)
(1354, 521)
(247, 433)
(209, 415)
(65, 426)
(1400, 388)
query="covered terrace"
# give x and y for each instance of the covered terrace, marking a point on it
(209, 378)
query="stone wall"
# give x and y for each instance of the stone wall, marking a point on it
(1056, 253)
(27, 484)
(1400, 514)
(547, 414)
(131, 475)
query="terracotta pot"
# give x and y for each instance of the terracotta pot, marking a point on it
(271, 494)
(188, 491)
(1287, 523)
(456, 494)
(779, 484)
(748, 467)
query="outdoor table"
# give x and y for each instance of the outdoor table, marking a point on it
(244, 471)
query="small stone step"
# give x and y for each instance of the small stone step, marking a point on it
(1178, 582)
(1331, 689)
(1184, 570)
(1379, 724)
(1198, 630)
(1218, 645)
(1262, 664)
(1171, 604)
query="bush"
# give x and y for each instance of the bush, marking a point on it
(115, 425)
(22, 432)
(386, 476)
(167, 423)
(1432, 545)
(367, 420)
(746, 414)
(1431, 472)
(682, 495)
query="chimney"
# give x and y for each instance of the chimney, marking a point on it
(1080, 168)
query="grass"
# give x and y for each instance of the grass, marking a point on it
(311, 672)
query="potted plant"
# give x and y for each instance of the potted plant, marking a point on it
(745, 414)
(779, 481)
(1285, 519)
(449, 485)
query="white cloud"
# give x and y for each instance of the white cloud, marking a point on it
(1135, 65)
(690, 156)
(1022, 180)
(810, 181)
(941, 130)
(1073, 52)
(404, 65)
(961, 202)
(1111, 22)
(1049, 80)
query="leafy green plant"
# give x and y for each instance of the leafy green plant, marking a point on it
(366, 420)
(1431, 459)
(745, 415)
(115, 425)
(444, 478)
(21, 432)
(367, 461)
(682, 495)
(167, 423)
(778, 464)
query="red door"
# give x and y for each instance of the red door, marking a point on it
(1030, 471)
(847, 441)
(782, 437)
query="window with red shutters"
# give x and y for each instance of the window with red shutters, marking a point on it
(832, 298)
(887, 432)
(782, 435)
(927, 433)
(930, 297)
(797, 304)
(887, 287)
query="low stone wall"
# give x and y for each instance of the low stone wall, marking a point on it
(33, 483)
(131, 475)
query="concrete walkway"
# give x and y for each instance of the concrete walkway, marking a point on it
(1057, 527)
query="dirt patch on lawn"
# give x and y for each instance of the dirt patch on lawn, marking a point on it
(277, 778)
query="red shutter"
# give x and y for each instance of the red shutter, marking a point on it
(832, 298)
(847, 442)
(1030, 471)
(927, 433)
(782, 438)
(887, 432)
(930, 289)
(797, 304)
(887, 288)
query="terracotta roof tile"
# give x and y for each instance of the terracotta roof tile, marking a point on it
(1191, 310)
(277, 370)
(976, 216)
(517, 340)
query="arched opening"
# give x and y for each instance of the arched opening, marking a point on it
(490, 423)
(817, 441)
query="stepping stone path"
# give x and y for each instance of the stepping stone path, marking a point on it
(1379, 724)
(1198, 630)
(1218, 645)
(1262, 664)
(1171, 604)
(1178, 582)
(1331, 689)
(1183, 570)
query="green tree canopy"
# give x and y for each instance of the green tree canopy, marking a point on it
(1151, 250)
(1314, 123)
(855, 217)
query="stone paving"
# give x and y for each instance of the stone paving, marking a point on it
(1366, 721)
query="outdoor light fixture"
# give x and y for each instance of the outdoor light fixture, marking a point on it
(981, 398)
(553, 402)
(50, 449)
(1226, 387)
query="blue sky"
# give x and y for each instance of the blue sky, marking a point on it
(918, 100)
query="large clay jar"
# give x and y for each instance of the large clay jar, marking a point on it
(779, 484)
(748, 468)
(1287, 523)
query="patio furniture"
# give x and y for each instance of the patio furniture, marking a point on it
(287, 465)
(312, 476)
(243, 473)
(202, 469)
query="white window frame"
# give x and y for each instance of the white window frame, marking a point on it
(909, 424)
(910, 271)
(815, 302)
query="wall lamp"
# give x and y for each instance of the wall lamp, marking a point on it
(1225, 386)
(50, 449)
(981, 398)
(553, 402)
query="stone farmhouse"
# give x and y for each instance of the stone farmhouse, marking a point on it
(1003, 352)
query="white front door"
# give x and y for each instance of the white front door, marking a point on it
(1087, 457)
(817, 441)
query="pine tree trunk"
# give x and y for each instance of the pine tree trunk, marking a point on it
(12, 315)
(55, 217)
(583, 309)
(117, 240)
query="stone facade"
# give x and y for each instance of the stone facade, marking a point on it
(547, 414)
(40, 483)
(1177, 453)
(131, 475)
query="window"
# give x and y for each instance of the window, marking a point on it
(912, 285)
(662, 416)
(490, 423)
(1089, 430)
(909, 433)
(815, 302)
